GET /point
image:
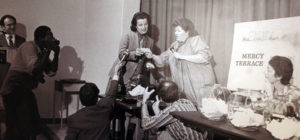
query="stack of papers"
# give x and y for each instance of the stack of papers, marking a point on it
(213, 109)
(246, 118)
(285, 129)
(138, 90)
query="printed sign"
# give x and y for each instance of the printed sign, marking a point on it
(254, 43)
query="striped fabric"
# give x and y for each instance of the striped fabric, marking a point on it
(176, 128)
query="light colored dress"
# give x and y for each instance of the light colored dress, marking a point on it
(190, 77)
(290, 96)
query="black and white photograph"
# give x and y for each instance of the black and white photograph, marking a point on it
(149, 70)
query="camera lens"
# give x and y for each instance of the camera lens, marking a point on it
(56, 42)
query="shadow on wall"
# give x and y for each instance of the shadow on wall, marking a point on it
(70, 67)
(21, 30)
(157, 50)
(155, 36)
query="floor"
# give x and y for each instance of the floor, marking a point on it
(57, 132)
(60, 133)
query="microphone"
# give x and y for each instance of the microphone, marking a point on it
(172, 49)
(125, 54)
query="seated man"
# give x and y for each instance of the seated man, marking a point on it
(168, 93)
(93, 121)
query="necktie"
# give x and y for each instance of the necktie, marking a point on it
(10, 41)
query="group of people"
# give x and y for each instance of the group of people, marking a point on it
(29, 61)
(189, 60)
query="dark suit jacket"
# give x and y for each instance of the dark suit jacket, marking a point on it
(11, 52)
(130, 41)
(93, 122)
(19, 40)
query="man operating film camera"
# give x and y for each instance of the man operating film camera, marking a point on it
(27, 70)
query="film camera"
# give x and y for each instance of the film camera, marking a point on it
(53, 45)
(44, 57)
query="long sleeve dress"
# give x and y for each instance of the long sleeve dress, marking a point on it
(190, 77)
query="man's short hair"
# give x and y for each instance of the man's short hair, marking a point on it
(40, 32)
(88, 94)
(168, 91)
(7, 16)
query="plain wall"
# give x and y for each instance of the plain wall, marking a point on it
(89, 31)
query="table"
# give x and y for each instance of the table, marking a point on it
(67, 87)
(195, 120)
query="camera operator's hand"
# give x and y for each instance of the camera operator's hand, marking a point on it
(56, 49)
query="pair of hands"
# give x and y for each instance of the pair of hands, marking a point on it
(56, 49)
(178, 55)
(155, 105)
(146, 51)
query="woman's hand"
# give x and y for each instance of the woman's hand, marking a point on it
(139, 52)
(149, 66)
(178, 55)
(148, 53)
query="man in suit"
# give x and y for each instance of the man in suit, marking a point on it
(8, 39)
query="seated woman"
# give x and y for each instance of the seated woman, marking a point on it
(189, 60)
(168, 92)
(285, 98)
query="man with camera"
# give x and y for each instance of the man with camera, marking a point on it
(31, 62)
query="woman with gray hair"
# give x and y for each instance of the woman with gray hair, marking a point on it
(189, 60)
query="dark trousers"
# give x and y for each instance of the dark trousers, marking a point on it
(22, 116)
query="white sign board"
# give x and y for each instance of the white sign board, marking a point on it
(254, 43)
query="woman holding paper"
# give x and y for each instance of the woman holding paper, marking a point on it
(132, 48)
(189, 60)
